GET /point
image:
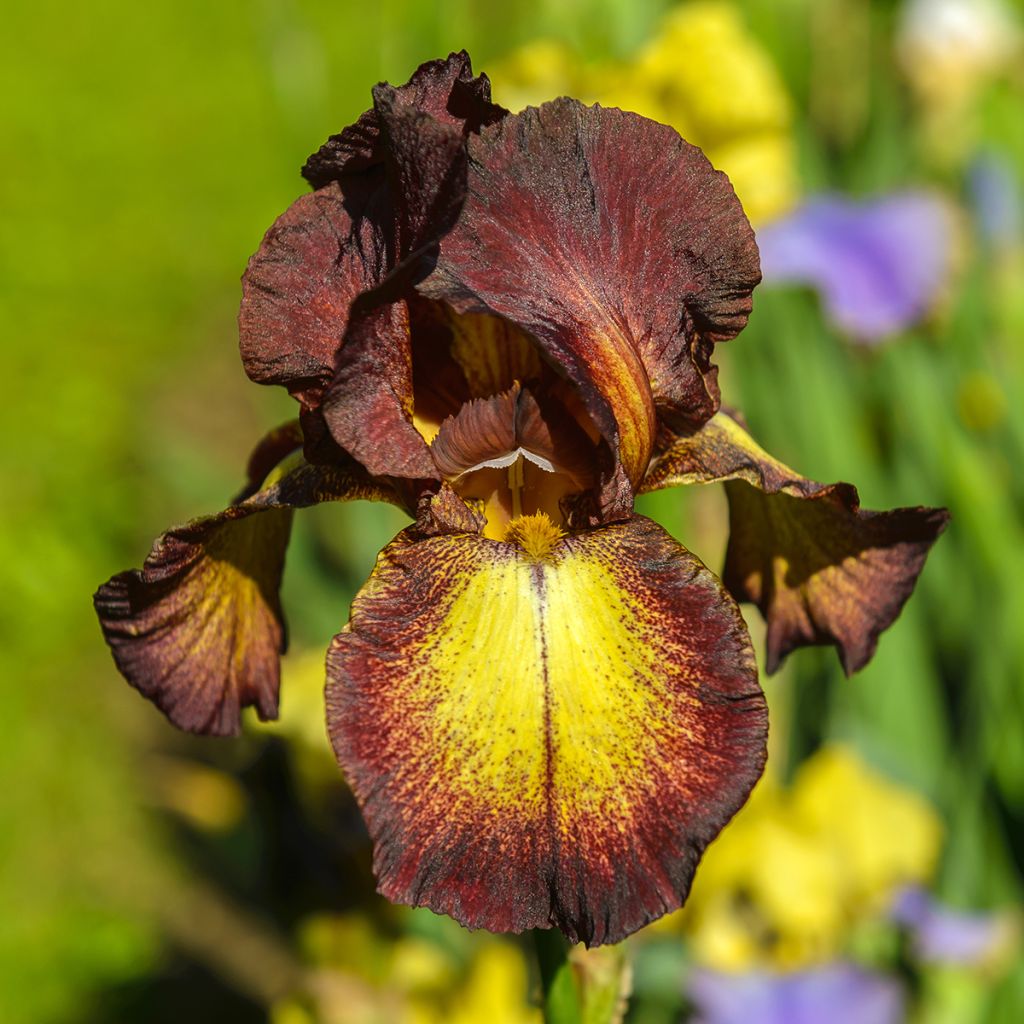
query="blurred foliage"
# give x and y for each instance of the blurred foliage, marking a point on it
(150, 877)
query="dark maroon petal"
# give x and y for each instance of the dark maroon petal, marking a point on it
(369, 406)
(199, 628)
(616, 245)
(425, 160)
(321, 253)
(821, 569)
(389, 186)
(446, 90)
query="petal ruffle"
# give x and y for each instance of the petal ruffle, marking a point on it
(549, 738)
(387, 187)
(369, 406)
(414, 141)
(198, 630)
(625, 281)
(445, 90)
(821, 569)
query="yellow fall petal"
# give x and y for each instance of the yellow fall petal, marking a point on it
(545, 740)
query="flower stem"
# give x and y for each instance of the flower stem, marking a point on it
(561, 998)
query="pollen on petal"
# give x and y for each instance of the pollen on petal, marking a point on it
(536, 534)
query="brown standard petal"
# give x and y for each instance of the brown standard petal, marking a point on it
(414, 142)
(319, 255)
(821, 569)
(321, 297)
(626, 279)
(446, 90)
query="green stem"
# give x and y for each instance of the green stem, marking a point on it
(561, 998)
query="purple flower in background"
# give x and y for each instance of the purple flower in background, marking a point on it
(996, 199)
(836, 994)
(942, 935)
(878, 266)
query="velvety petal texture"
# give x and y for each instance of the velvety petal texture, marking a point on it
(318, 256)
(821, 569)
(369, 407)
(413, 143)
(626, 280)
(199, 629)
(547, 732)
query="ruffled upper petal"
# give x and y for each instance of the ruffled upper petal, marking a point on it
(198, 630)
(322, 310)
(625, 279)
(413, 142)
(445, 90)
(821, 569)
(547, 732)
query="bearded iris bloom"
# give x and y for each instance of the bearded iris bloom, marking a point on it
(503, 324)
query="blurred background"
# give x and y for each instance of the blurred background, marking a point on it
(879, 150)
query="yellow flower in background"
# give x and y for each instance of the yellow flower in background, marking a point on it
(538, 71)
(704, 75)
(798, 868)
(883, 834)
(360, 975)
(495, 991)
(949, 49)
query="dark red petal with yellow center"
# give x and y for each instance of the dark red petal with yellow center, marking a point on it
(321, 253)
(821, 569)
(616, 245)
(546, 734)
(199, 628)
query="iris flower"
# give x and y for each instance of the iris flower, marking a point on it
(503, 324)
